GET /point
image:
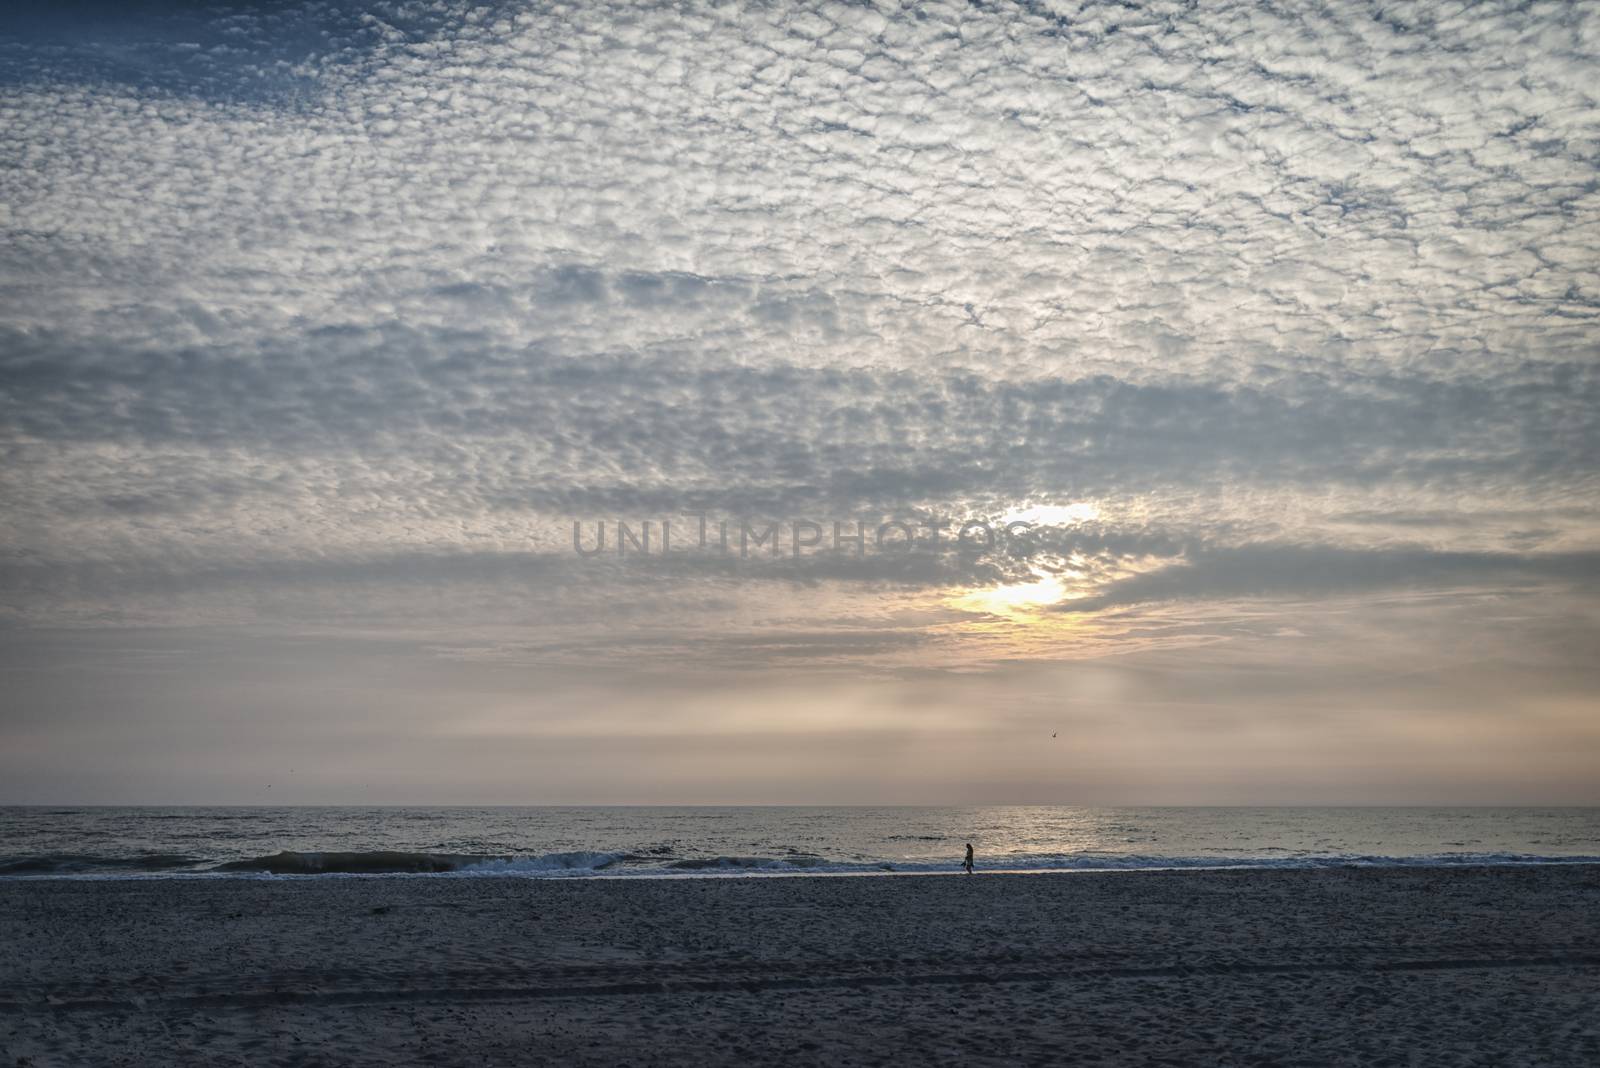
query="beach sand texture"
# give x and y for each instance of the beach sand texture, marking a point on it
(1485, 966)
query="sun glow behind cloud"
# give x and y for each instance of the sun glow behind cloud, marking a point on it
(1017, 601)
(1064, 515)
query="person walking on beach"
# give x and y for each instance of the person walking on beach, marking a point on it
(967, 864)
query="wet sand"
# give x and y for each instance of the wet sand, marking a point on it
(1491, 966)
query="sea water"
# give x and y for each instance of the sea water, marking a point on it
(659, 841)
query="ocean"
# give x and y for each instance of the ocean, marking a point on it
(95, 842)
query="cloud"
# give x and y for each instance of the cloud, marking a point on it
(327, 318)
(1309, 572)
(493, 260)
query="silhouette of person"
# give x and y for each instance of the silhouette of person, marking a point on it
(967, 864)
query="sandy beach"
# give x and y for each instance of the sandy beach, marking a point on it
(1342, 966)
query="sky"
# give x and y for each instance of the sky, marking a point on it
(331, 332)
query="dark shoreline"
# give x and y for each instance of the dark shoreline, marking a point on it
(1355, 965)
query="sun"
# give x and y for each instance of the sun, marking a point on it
(1018, 599)
(1055, 515)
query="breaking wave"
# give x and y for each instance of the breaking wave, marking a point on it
(378, 862)
(578, 862)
